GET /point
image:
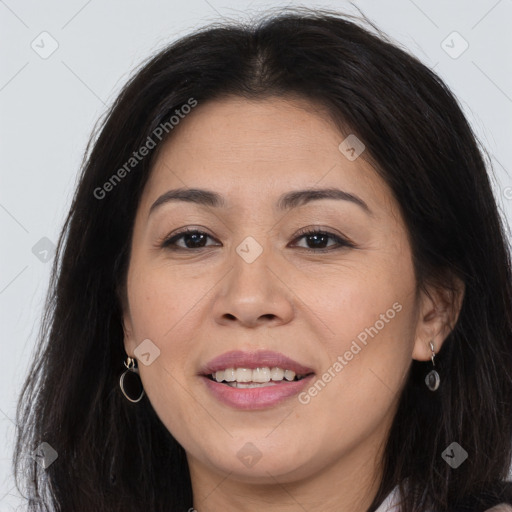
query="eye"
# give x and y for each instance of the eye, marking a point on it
(192, 239)
(319, 238)
(196, 239)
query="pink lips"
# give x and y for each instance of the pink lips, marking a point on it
(259, 397)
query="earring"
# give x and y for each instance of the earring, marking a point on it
(130, 380)
(432, 380)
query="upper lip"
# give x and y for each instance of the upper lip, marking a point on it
(258, 359)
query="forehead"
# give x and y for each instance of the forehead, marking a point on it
(241, 148)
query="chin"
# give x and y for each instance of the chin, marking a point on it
(261, 463)
(266, 472)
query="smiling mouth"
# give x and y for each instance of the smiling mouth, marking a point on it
(255, 378)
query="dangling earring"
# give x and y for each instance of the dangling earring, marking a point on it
(432, 380)
(130, 380)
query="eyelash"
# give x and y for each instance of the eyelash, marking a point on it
(169, 243)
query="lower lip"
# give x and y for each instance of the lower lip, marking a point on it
(256, 398)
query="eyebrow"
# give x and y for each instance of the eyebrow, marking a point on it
(285, 202)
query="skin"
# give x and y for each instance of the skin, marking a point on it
(195, 304)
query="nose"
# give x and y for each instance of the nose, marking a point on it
(254, 294)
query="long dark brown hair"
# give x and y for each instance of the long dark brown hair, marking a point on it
(117, 456)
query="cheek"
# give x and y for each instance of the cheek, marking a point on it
(364, 303)
(161, 310)
(167, 306)
(162, 299)
(363, 374)
(370, 327)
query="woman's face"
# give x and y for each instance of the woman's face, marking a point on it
(341, 304)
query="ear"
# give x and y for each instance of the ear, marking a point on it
(129, 339)
(439, 310)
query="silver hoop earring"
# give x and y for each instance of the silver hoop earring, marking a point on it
(432, 380)
(130, 382)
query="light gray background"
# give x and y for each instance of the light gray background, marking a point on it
(49, 106)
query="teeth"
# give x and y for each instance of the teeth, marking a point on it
(258, 375)
(251, 384)
(261, 375)
(243, 375)
(289, 375)
(229, 375)
(277, 374)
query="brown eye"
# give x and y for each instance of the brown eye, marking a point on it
(192, 239)
(317, 241)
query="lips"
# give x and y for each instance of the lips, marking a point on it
(252, 360)
(254, 398)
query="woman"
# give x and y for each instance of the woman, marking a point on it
(287, 234)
